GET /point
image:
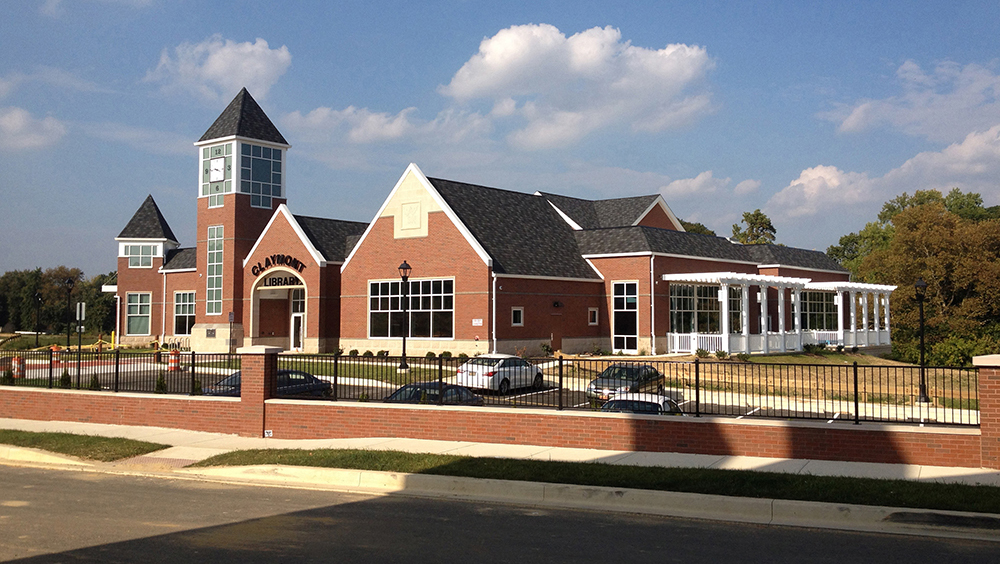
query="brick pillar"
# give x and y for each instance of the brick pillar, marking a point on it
(258, 382)
(989, 409)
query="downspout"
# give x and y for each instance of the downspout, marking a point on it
(493, 312)
(652, 310)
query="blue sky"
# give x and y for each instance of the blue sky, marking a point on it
(814, 112)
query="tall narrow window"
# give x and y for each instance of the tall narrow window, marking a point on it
(735, 310)
(517, 317)
(625, 305)
(213, 297)
(260, 174)
(298, 300)
(183, 312)
(137, 314)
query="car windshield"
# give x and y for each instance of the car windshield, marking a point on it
(631, 406)
(620, 373)
(232, 380)
(414, 392)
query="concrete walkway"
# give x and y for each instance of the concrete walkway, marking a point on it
(188, 447)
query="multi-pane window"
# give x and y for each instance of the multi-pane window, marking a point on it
(183, 312)
(682, 318)
(260, 174)
(819, 311)
(735, 309)
(696, 309)
(625, 316)
(140, 256)
(431, 309)
(213, 297)
(137, 313)
(298, 300)
(216, 173)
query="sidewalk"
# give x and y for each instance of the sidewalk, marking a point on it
(188, 447)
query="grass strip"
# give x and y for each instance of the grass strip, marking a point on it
(770, 485)
(102, 449)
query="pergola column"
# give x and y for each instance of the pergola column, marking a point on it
(854, 316)
(781, 317)
(864, 316)
(885, 309)
(763, 318)
(745, 316)
(840, 317)
(797, 314)
(724, 311)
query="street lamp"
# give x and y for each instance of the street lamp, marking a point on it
(69, 309)
(921, 288)
(404, 273)
(38, 315)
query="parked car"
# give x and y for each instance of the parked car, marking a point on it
(625, 378)
(646, 404)
(290, 383)
(429, 392)
(499, 373)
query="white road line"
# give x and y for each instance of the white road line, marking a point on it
(751, 412)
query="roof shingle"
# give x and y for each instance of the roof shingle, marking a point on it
(148, 223)
(331, 237)
(243, 117)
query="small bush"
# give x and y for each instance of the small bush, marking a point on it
(8, 378)
(363, 397)
(743, 357)
(196, 388)
(721, 355)
(840, 348)
(546, 348)
(367, 353)
(64, 380)
(701, 353)
(95, 384)
(340, 351)
(382, 354)
(430, 354)
(354, 352)
(447, 354)
(643, 352)
(462, 356)
(161, 384)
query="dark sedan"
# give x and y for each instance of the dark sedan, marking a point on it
(624, 379)
(430, 392)
(290, 383)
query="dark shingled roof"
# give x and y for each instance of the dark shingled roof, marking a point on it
(178, 259)
(148, 223)
(650, 239)
(521, 232)
(244, 118)
(332, 237)
(595, 214)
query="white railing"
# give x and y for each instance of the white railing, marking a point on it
(691, 342)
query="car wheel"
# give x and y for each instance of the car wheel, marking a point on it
(504, 387)
(539, 382)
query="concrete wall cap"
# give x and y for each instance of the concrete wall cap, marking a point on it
(259, 349)
(986, 360)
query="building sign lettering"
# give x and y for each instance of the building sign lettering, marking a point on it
(280, 282)
(278, 260)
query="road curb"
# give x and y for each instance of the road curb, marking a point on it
(862, 518)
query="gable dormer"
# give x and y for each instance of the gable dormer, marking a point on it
(147, 237)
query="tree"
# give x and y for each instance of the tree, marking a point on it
(692, 227)
(18, 303)
(759, 229)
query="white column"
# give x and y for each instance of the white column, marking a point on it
(864, 316)
(797, 314)
(724, 313)
(781, 317)
(763, 318)
(876, 310)
(745, 316)
(888, 332)
(839, 298)
(853, 296)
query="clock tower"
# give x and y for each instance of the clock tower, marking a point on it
(241, 181)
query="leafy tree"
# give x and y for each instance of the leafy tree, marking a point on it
(693, 227)
(759, 229)
(18, 303)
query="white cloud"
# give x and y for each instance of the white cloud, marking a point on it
(216, 69)
(704, 183)
(567, 87)
(19, 130)
(361, 125)
(52, 8)
(150, 141)
(48, 75)
(942, 105)
(746, 187)
(972, 165)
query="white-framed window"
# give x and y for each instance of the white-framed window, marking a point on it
(625, 317)
(137, 313)
(260, 174)
(298, 300)
(517, 317)
(140, 256)
(431, 309)
(735, 309)
(819, 311)
(183, 312)
(213, 282)
(217, 173)
(593, 315)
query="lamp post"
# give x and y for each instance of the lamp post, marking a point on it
(921, 288)
(69, 309)
(404, 274)
(38, 315)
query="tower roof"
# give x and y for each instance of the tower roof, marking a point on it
(244, 118)
(147, 223)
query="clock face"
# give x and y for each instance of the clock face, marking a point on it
(217, 170)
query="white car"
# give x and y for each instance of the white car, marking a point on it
(499, 373)
(643, 404)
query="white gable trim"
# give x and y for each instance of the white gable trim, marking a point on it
(573, 224)
(419, 175)
(659, 201)
(284, 211)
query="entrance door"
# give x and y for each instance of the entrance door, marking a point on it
(625, 317)
(297, 331)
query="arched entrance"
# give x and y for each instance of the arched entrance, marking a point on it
(278, 307)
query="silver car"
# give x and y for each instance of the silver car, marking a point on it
(499, 373)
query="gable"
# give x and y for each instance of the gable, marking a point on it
(283, 232)
(408, 206)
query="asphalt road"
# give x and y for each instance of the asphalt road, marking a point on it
(71, 516)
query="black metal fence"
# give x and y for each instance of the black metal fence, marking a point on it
(849, 393)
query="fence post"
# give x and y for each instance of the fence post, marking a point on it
(697, 388)
(989, 409)
(440, 380)
(117, 366)
(50, 367)
(560, 382)
(336, 365)
(192, 373)
(857, 420)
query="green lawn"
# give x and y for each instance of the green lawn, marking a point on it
(893, 493)
(102, 449)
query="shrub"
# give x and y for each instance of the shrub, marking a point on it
(340, 351)
(721, 355)
(8, 377)
(196, 388)
(367, 353)
(64, 380)
(546, 348)
(447, 354)
(643, 352)
(840, 349)
(161, 384)
(701, 353)
(461, 356)
(854, 350)
(363, 397)
(95, 384)
(382, 354)
(354, 352)
(743, 357)
(430, 354)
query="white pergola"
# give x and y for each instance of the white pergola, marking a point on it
(785, 338)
